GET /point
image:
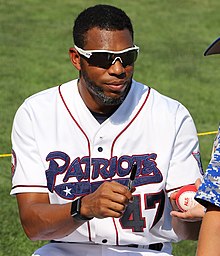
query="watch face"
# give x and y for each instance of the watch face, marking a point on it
(75, 210)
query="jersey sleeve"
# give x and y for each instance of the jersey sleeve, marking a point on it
(28, 172)
(185, 164)
(209, 190)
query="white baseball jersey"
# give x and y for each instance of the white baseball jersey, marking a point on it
(59, 148)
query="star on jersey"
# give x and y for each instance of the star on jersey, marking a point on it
(67, 191)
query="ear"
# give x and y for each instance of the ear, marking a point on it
(75, 58)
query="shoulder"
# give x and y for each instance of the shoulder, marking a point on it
(47, 97)
(163, 100)
(51, 92)
(43, 102)
(158, 101)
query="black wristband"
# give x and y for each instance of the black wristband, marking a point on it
(75, 210)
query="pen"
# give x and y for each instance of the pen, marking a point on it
(132, 176)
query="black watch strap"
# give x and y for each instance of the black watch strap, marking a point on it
(75, 210)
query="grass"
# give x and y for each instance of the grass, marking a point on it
(172, 35)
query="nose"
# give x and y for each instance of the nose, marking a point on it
(116, 68)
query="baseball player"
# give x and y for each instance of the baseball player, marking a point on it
(208, 193)
(76, 145)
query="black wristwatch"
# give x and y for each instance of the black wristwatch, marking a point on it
(75, 210)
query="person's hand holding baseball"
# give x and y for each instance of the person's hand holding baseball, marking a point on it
(193, 214)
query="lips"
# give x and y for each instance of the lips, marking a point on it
(119, 86)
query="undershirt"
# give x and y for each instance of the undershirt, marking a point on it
(100, 117)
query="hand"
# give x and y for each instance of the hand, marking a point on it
(194, 214)
(109, 200)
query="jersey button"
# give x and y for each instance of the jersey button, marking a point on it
(100, 149)
(104, 241)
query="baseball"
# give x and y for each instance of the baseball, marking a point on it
(185, 197)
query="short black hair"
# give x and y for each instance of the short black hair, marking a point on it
(101, 16)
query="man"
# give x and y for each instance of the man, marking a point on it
(75, 145)
(208, 193)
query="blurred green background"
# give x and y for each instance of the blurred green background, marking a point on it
(35, 36)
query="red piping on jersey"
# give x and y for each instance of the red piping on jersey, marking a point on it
(174, 189)
(88, 224)
(130, 121)
(29, 186)
(89, 231)
(116, 230)
(75, 120)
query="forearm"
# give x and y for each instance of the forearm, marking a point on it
(52, 222)
(43, 221)
(186, 230)
(209, 238)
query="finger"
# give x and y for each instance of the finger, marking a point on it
(120, 199)
(178, 214)
(122, 190)
(198, 183)
(183, 215)
(113, 193)
(114, 214)
(109, 213)
(133, 189)
(194, 214)
(116, 207)
(173, 196)
(173, 201)
(119, 188)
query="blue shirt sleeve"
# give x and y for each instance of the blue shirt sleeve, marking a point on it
(209, 190)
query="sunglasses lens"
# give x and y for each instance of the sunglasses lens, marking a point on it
(100, 59)
(105, 60)
(128, 58)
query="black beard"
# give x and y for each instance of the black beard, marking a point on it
(99, 94)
